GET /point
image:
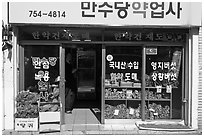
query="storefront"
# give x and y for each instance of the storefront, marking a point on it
(133, 64)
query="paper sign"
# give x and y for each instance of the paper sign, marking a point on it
(159, 89)
(129, 94)
(156, 114)
(26, 124)
(168, 89)
(131, 111)
(116, 112)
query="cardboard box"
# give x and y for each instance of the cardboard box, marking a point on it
(26, 124)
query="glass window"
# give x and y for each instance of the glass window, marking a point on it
(123, 82)
(164, 82)
(41, 69)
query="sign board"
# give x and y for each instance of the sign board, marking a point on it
(26, 124)
(107, 13)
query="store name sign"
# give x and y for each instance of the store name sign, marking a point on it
(107, 13)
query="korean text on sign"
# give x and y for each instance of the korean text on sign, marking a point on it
(154, 9)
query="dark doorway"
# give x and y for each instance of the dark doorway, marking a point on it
(86, 58)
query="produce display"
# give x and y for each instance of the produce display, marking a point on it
(112, 113)
(156, 111)
(49, 108)
(123, 112)
(153, 95)
(112, 93)
(27, 105)
(53, 98)
(52, 95)
(153, 109)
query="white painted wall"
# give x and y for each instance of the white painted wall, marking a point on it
(7, 80)
(195, 76)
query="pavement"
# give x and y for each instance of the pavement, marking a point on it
(107, 129)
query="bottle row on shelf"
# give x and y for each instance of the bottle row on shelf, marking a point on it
(114, 93)
(152, 111)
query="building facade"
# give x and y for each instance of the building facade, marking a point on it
(137, 61)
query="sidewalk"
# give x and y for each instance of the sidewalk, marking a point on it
(108, 129)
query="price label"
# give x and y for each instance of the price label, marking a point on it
(156, 114)
(168, 89)
(159, 89)
(131, 111)
(116, 112)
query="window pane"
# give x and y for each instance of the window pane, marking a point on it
(164, 81)
(123, 82)
(41, 68)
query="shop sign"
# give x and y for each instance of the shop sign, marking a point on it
(107, 13)
(47, 33)
(26, 124)
(141, 35)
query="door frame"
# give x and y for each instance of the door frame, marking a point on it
(62, 83)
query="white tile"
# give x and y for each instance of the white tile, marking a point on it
(105, 127)
(130, 127)
(118, 127)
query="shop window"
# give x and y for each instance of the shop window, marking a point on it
(163, 82)
(123, 82)
(41, 68)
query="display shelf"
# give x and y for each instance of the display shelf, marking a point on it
(122, 87)
(159, 102)
(157, 87)
(115, 99)
(158, 99)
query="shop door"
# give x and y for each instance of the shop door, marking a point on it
(86, 72)
(62, 83)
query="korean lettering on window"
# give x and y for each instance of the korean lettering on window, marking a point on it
(169, 75)
(123, 9)
(42, 66)
(57, 35)
(122, 70)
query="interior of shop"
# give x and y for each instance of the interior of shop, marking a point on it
(86, 60)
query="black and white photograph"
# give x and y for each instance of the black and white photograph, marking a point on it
(101, 67)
